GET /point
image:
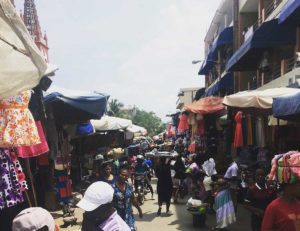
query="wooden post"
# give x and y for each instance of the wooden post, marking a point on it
(31, 181)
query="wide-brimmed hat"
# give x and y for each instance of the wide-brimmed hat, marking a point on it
(98, 193)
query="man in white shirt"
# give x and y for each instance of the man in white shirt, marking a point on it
(231, 176)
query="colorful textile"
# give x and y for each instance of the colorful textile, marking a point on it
(17, 126)
(63, 186)
(238, 135)
(224, 209)
(183, 124)
(12, 180)
(249, 130)
(282, 216)
(37, 149)
(122, 203)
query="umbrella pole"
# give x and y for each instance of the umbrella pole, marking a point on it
(31, 181)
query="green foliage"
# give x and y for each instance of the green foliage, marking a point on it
(148, 120)
(115, 107)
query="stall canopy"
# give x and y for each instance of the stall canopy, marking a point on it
(107, 123)
(72, 106)
(22, 65)
(224, 83)
(290, 12)
(137, 130)
(261, 99)
(224, 38)
(287, 107)
(248, 56)
(206, 105)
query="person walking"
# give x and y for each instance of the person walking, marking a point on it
(164, 185)
(124, 199)
(283, 213)
(106, 174)
(99, 211)
(257, 199)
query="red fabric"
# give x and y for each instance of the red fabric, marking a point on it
(192, 148)
(43, 160)
(238, 135)
(34, 150)
(282, 216)
(183, 123)
(169, 134)
(206, 105)
(200, 128)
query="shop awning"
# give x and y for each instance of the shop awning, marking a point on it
(224, 38)
(287, 107)
(226, 82)
(269, 35)
(22, 65)
(207, 105)
(261, 99)
(137, 130)
(72, 106)
(107, 123)
(290, 12)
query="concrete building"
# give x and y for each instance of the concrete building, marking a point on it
(186, 96)
(264, 51)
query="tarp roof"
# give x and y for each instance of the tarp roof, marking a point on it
(261, 99)
(137, 130)
(287, 107)
(290, 12)
(72, 106)
(207, 105)
(22, 64)
(269, 35)
(224, 83)
(107, 123)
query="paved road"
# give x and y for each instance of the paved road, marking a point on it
(181, 219)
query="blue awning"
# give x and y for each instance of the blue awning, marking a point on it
(224, 38)
(70, 106)
(225, 83)
(287, 107)
(269, 35)
(290, 12)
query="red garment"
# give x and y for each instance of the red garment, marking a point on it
(238, 135)
(282, 216)
(169, 133)
(34, 150)
(183, 124)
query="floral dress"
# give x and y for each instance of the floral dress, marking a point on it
(17, 126)
(122, 203)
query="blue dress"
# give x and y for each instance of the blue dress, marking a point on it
(122, 203)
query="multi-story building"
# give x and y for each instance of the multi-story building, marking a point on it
(265, 44)
(186, 96)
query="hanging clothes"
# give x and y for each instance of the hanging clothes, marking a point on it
(244, 129)
(238, 135)
(260, 133)
(249, 130)
(12, 180)
(17, 126)
(183, 124)
(200, 125)
(34, 150)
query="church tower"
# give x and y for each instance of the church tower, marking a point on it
(31, 21)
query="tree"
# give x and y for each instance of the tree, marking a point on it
(115, 107)
(148, 120)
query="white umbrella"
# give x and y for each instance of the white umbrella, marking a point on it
(22, 64)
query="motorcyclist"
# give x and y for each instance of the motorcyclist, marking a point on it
(142, 168)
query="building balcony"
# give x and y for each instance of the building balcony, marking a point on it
(281, 75)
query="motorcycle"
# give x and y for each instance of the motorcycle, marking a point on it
(140, 187)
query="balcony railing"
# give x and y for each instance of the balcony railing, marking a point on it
(271, 7)
(276, 72)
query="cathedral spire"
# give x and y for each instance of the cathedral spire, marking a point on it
(32, 23)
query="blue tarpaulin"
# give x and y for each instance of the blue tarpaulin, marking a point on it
(290, 12)
(269, 35)
(287, 107)
(224, 38)
(71, 106)
(225, 83)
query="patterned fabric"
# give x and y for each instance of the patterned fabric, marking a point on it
(34, 150)
(122, 203)
(225, 209)
(12, 180)
(17, 126)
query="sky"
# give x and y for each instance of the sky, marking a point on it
(137, 51)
